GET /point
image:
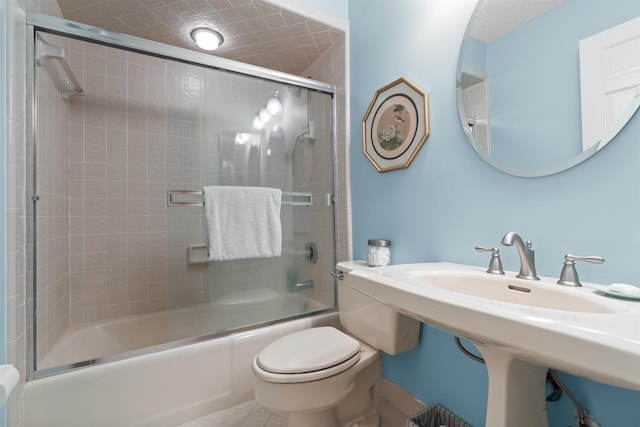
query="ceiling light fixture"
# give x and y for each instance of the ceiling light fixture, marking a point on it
(206, 38)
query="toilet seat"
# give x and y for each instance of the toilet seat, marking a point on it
(308, 355)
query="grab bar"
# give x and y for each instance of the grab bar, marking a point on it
(46, 51)
(174, 195)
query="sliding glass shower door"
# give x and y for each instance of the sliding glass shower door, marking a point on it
(120, 261)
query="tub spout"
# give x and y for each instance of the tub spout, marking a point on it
(527, 255)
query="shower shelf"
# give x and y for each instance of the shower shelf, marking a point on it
(46, 51)
(292, 198)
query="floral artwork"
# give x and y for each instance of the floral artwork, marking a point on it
(391, 136)
(395, 126)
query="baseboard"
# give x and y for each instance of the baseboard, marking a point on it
(398, 397)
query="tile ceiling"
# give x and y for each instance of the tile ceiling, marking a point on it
(254, 31)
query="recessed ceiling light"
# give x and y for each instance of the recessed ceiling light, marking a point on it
(206, 38)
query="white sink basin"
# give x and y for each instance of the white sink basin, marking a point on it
(521, 327)
(509, 289)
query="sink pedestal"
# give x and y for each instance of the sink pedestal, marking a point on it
(516, 391)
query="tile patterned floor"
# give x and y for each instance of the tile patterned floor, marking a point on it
(252, 414)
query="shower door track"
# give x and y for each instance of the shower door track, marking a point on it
(63, 27)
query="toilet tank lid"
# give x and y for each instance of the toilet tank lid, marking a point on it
(307, 351)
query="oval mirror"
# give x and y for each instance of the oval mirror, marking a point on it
(531, 95)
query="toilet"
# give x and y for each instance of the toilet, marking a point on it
(324, 377)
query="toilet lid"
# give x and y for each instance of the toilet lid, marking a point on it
(310, 350)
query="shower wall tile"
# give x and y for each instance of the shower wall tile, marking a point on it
(16, 215)
(117, 143)
(52, 210)
(181, 149)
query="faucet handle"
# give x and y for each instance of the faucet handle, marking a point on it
(495, 265)
(569, 274)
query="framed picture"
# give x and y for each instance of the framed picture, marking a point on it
(395, 125)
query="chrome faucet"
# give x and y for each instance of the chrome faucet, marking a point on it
(527, 261)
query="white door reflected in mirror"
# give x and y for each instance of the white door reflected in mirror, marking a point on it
(609, 80)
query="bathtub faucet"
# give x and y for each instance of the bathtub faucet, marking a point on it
(527, 261)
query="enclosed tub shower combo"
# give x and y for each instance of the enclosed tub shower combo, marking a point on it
(131, 143)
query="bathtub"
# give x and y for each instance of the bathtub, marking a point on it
(106, 339)
(163, 388)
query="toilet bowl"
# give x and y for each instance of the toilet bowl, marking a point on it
(321, 376)
(324, 377)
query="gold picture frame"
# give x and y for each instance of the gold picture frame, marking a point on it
(396, 125)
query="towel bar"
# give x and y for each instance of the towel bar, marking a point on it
(180, 198)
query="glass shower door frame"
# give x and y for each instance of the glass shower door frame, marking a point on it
(61, 27)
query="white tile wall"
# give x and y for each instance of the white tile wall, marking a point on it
(16, 193)
(138, 131)
(330, 67)
(117, 184)
(52, 211)
(186, 160)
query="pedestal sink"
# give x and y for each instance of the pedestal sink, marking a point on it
(521, 327)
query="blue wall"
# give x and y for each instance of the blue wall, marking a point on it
(449, 201)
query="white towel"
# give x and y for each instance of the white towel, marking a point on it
(243, 222)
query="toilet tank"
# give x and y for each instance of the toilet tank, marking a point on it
(371, 321)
